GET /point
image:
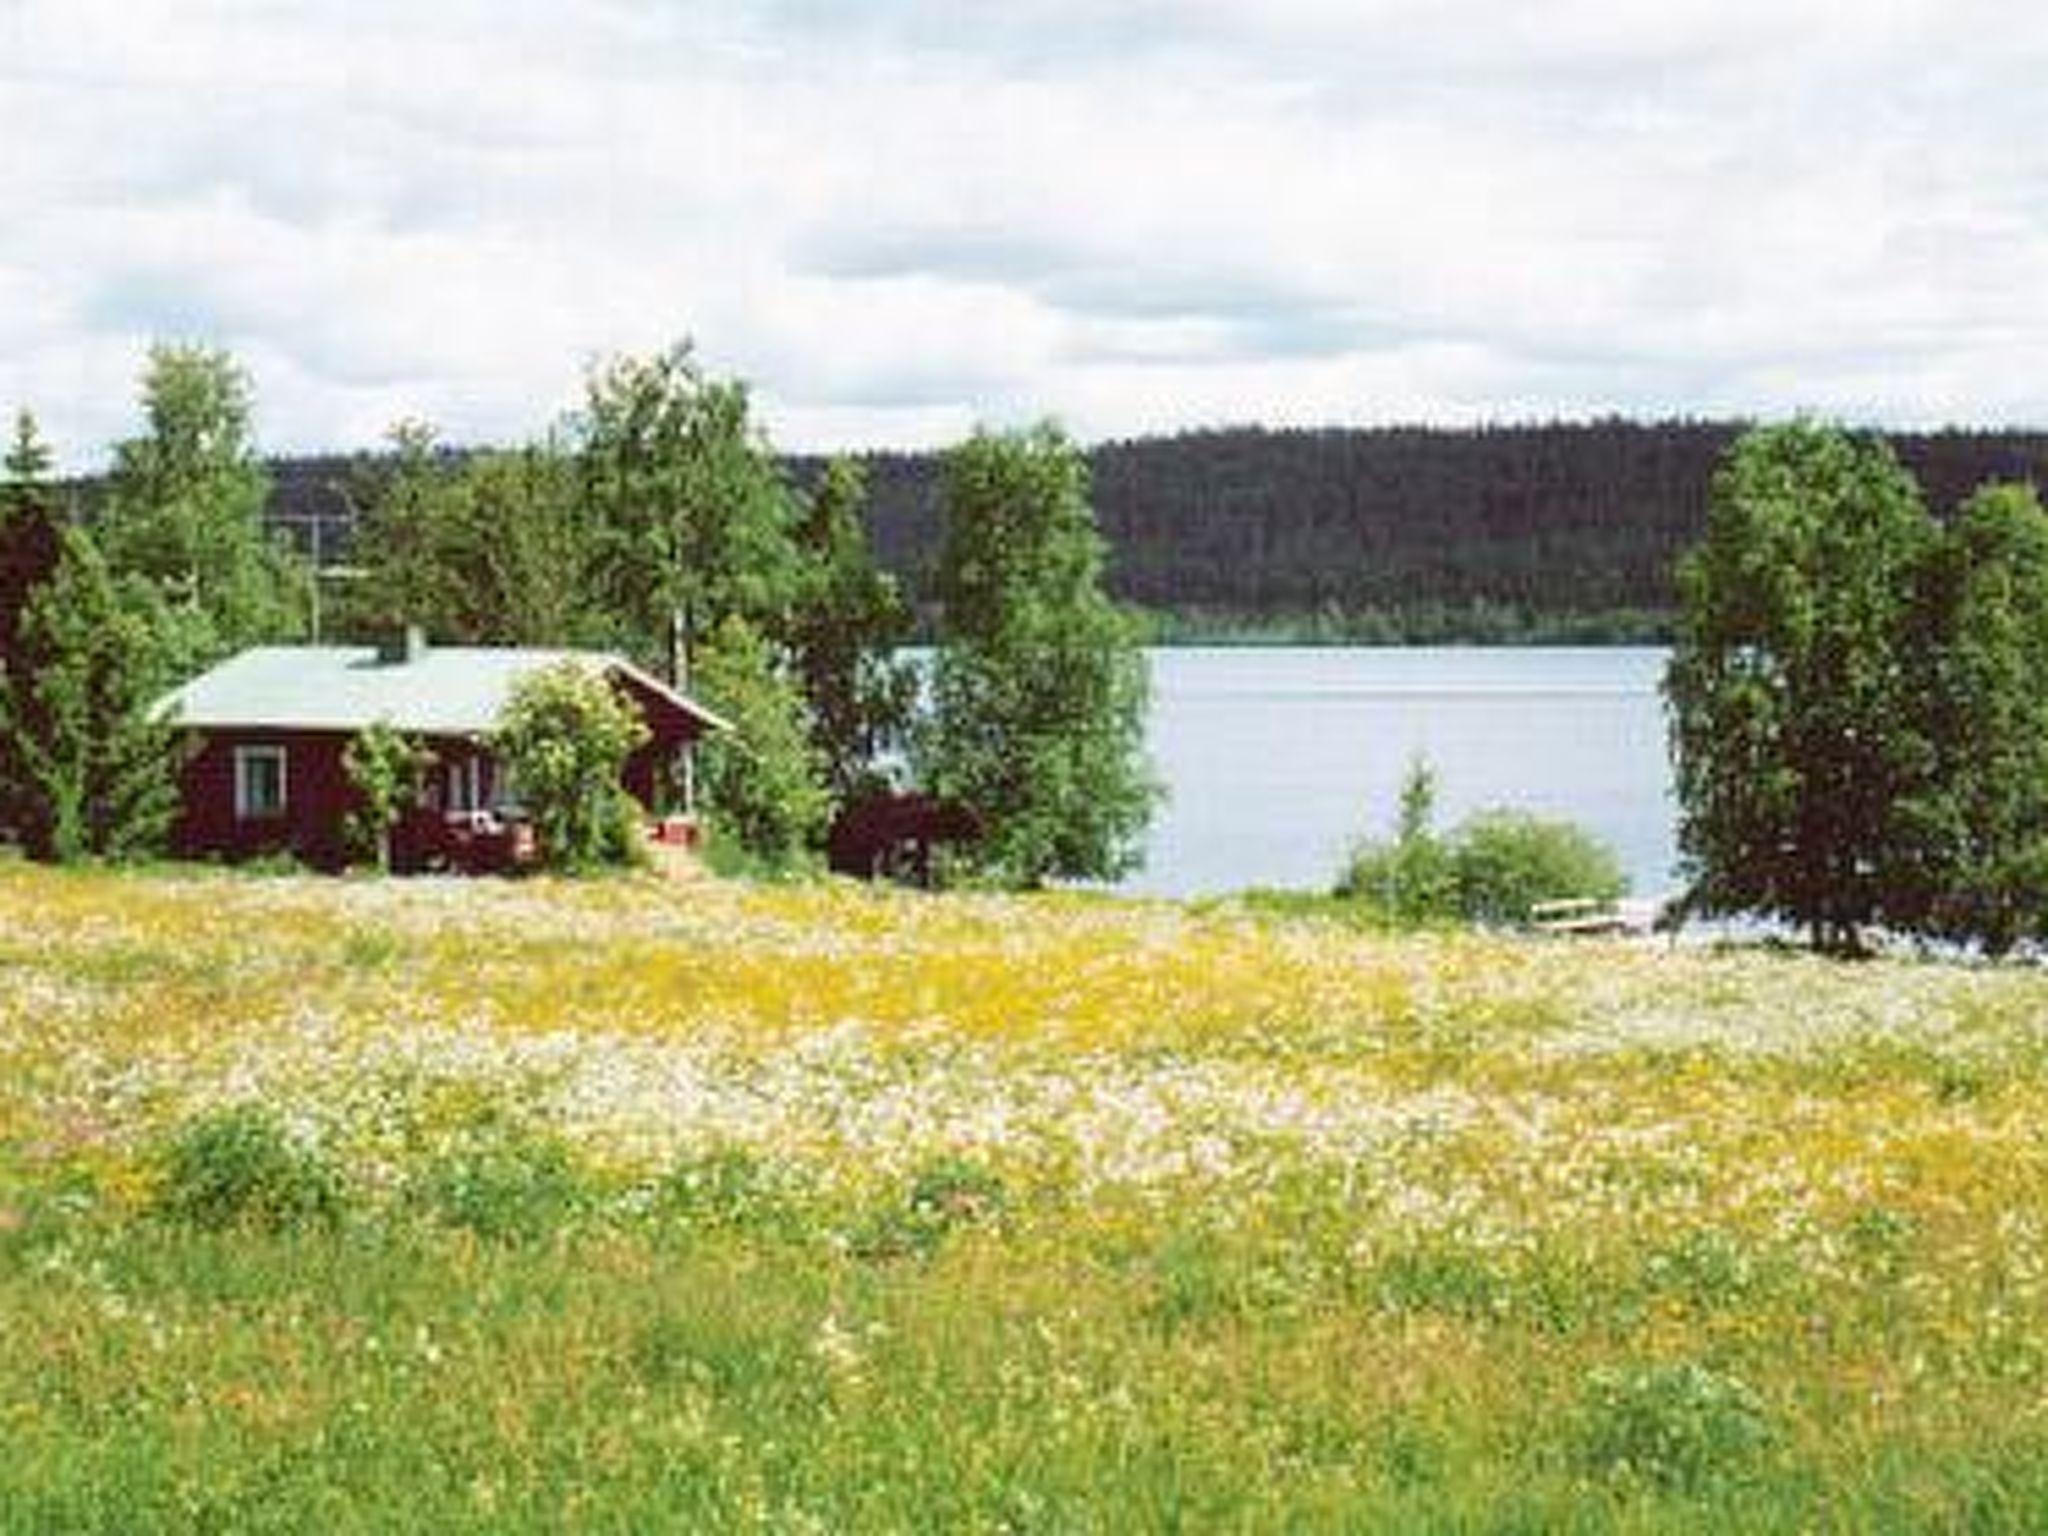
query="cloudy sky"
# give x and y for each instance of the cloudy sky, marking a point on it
(898, 218)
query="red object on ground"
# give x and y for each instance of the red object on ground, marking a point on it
(682, 831)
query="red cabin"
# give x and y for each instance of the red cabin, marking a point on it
(267, 729)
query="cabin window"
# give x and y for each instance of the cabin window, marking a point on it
(505, 791)
(259, 782)
(465, 786)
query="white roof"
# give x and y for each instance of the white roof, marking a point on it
(441, 691)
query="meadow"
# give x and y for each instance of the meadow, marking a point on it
(629, 1205)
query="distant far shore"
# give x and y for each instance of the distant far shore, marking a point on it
(1432, 624)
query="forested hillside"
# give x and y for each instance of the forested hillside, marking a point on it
(1383, 533)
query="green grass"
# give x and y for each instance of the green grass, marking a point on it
(339, 1206)
(406, 1376)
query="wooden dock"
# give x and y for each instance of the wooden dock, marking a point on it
(1584, 917)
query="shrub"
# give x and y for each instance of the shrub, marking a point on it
(1494, 867)
(240, 1167)
(1440, 1276)
(1705, 1269)
(1402, 882)
(1679, 1427)
(1504, 862)
(955, 1191)
(1409, 879)
(729, 1188)
(506, 1185)
(370, 949)
(565, 736)
(383, 767)
(764, 780)
(723, 853)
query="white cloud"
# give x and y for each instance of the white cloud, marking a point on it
(900, 218)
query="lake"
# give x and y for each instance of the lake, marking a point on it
(1277, 759)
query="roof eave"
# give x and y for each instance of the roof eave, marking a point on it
(710, 719)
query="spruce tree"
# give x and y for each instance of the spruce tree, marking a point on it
(31, 541)
(92, 769)
(28, 467)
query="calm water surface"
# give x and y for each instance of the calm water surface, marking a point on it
(1277, 758)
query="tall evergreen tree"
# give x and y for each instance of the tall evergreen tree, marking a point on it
(849, 622)
(691, 511)
(1792, 722)
(1038, 682)
(27, 464)
(92, 770)
(31, 543)
(184, 509)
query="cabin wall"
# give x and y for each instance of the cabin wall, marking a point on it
(318, 795)
(669, 730)
(317, 798)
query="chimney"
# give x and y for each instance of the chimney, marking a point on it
(402, 645)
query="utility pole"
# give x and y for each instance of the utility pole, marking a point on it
(313, 576)
(679, 679)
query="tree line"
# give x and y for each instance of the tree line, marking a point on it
(653, 520)
(1563, 531)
